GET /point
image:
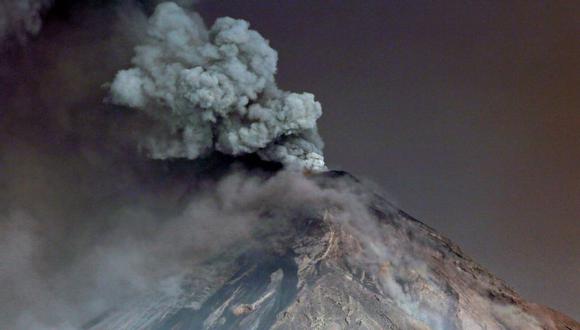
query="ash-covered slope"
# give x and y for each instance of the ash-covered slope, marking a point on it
(327, 253)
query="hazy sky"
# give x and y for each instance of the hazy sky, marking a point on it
(468, 114)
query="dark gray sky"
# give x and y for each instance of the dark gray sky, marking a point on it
(466, 113)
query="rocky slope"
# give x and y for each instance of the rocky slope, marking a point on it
(326, 269)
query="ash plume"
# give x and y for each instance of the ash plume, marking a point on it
(85, 222)
(214, 90)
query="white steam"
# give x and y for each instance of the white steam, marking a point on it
(215, 90)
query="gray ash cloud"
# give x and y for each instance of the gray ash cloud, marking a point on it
(214, 89)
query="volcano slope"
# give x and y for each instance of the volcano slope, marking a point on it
(327, 252)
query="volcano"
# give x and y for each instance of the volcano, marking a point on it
(169, 181)
(315, 268)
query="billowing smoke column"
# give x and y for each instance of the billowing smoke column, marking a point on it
(214, 90)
